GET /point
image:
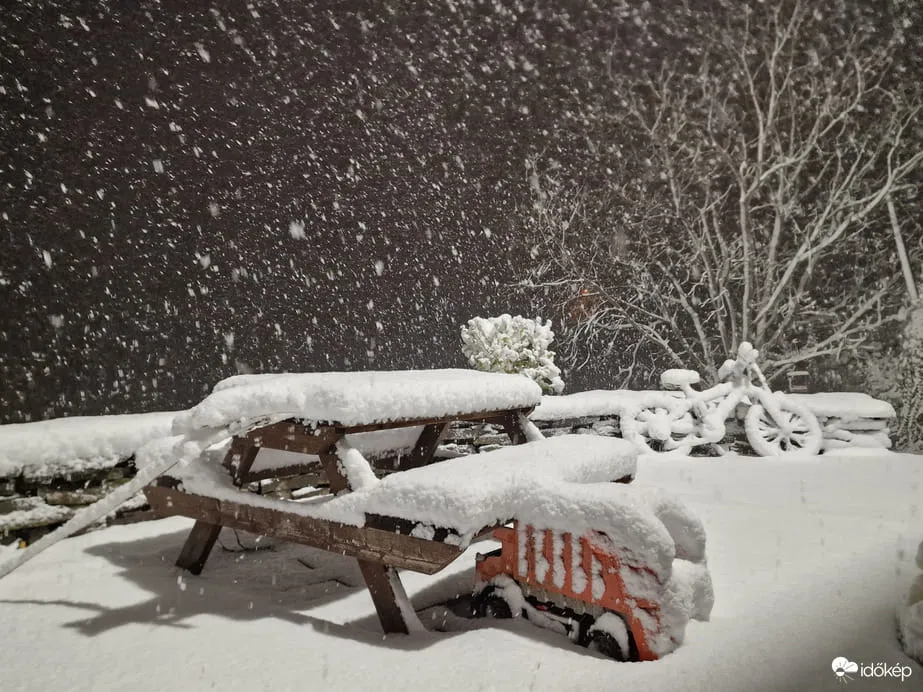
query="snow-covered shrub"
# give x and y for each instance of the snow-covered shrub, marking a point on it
(513, 345)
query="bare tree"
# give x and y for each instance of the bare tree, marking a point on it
(753, 205)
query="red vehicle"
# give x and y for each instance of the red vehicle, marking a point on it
(574, 585)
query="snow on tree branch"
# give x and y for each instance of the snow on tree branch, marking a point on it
(745, 196)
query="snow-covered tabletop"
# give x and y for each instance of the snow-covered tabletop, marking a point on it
(355, 398)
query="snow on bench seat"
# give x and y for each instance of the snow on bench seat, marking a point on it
(356, 398)
(58, 447)
(470, 493)
(466, 494)
(645, 526)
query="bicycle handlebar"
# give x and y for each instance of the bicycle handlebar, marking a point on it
(746, 360)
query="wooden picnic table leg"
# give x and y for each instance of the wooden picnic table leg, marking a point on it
(513, 428)
(380, 580)
(331, 463)
(198, 545)
(383, 582)
(428, 442)
(245, 453)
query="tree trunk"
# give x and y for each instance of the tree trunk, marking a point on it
(902, 254)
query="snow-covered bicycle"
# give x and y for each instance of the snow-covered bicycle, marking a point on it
(675, 422)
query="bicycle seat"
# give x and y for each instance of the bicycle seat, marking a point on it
(677, 378)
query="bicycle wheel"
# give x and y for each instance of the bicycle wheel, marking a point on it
(663, 425)
(798, 432)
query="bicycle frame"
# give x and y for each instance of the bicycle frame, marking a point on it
(711, 425)
(775, 425)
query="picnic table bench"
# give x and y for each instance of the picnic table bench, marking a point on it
(418, 517)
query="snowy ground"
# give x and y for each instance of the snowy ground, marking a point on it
(808, 558)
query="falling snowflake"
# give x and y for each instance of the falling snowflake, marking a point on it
(296, 230)
(204, 54)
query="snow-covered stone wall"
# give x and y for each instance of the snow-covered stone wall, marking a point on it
(50, 469)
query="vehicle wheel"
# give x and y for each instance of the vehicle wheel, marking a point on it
(605, 643)
(664, 426)
(489, 603)
(584, 628)
(797, 433)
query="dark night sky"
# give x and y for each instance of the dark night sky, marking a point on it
(291, 185)
(187, 189)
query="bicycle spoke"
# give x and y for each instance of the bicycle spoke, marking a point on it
(799, 440)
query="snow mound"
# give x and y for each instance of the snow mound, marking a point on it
(356, 398)
(687, 595)
(45, 449)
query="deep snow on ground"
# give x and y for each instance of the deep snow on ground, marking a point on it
(809, 558)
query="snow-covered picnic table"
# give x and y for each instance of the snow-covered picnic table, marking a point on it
(418, 518)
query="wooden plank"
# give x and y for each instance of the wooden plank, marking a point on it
(198, 545)
(374, 545)
(423, 451)
(487, 416)
(381, 465)
(406, 527)
(292, 436)
(312, 468)
(287, 436)
(288, 484)
(382, 581)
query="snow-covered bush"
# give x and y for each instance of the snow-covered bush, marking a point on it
(513, 345)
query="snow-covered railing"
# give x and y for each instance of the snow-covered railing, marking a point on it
(848, 419)
(49, 469)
